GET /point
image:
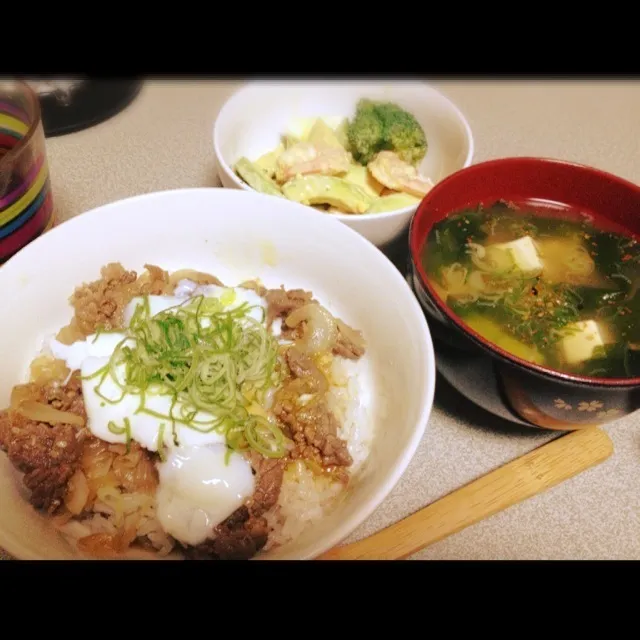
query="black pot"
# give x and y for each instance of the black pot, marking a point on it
(83, 103)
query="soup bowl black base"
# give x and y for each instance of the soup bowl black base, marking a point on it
(563, 405)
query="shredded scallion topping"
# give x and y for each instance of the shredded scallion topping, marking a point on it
(214, 363)
(119, 431)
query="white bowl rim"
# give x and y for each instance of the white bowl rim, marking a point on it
(228, 105)
(356, 518)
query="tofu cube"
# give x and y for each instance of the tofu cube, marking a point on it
(524, 253)
(581, 340)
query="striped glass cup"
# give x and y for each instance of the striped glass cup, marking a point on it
(26, 206)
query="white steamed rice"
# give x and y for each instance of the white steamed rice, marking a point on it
(306, 498)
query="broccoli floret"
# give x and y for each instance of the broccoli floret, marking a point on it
(402, 133)
(379, 126)
(365, 132)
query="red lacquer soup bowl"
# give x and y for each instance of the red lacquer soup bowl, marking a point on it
(540, 395)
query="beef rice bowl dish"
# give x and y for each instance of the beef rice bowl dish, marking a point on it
(178, 415)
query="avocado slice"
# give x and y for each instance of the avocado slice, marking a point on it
(337, 192)
(393, 202)
(256, 178)
(361, 176)
(288, 140)
(322, 134)
(267, 162)
(341, 133)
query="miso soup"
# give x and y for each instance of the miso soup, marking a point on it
(550, 287)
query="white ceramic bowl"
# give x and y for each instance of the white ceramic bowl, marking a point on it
(252, 120)
(236, 235)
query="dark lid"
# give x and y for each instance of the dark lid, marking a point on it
(82, 103)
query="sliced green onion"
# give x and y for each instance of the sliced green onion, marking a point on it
(118, 431)
(211, 360)
(265, 437)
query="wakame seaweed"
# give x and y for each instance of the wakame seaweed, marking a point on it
(585, 273)
(450, 240)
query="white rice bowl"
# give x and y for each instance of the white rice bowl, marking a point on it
(237, 235)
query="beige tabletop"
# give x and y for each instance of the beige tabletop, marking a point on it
(163, 141)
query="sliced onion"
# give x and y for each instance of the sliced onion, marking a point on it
(70, 333)
(98, 466)
(45, 413)
(62, 518)
(102, 544)
(195, 276)
(314, 384)
(321, 331)
(136, 472)
(97, 458)
(314, 467)
(254, 285)
(118, 449)
(39, 412)
(579, 262)
(454, 278)
(45, 369)
(480, 257)
(130, 532)
(465, 298)
(112, 498)
(480, 263)
(77, 493)
(476, 281)
(476, 249)
(154, 273)
(351, 335)
(21, 393)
